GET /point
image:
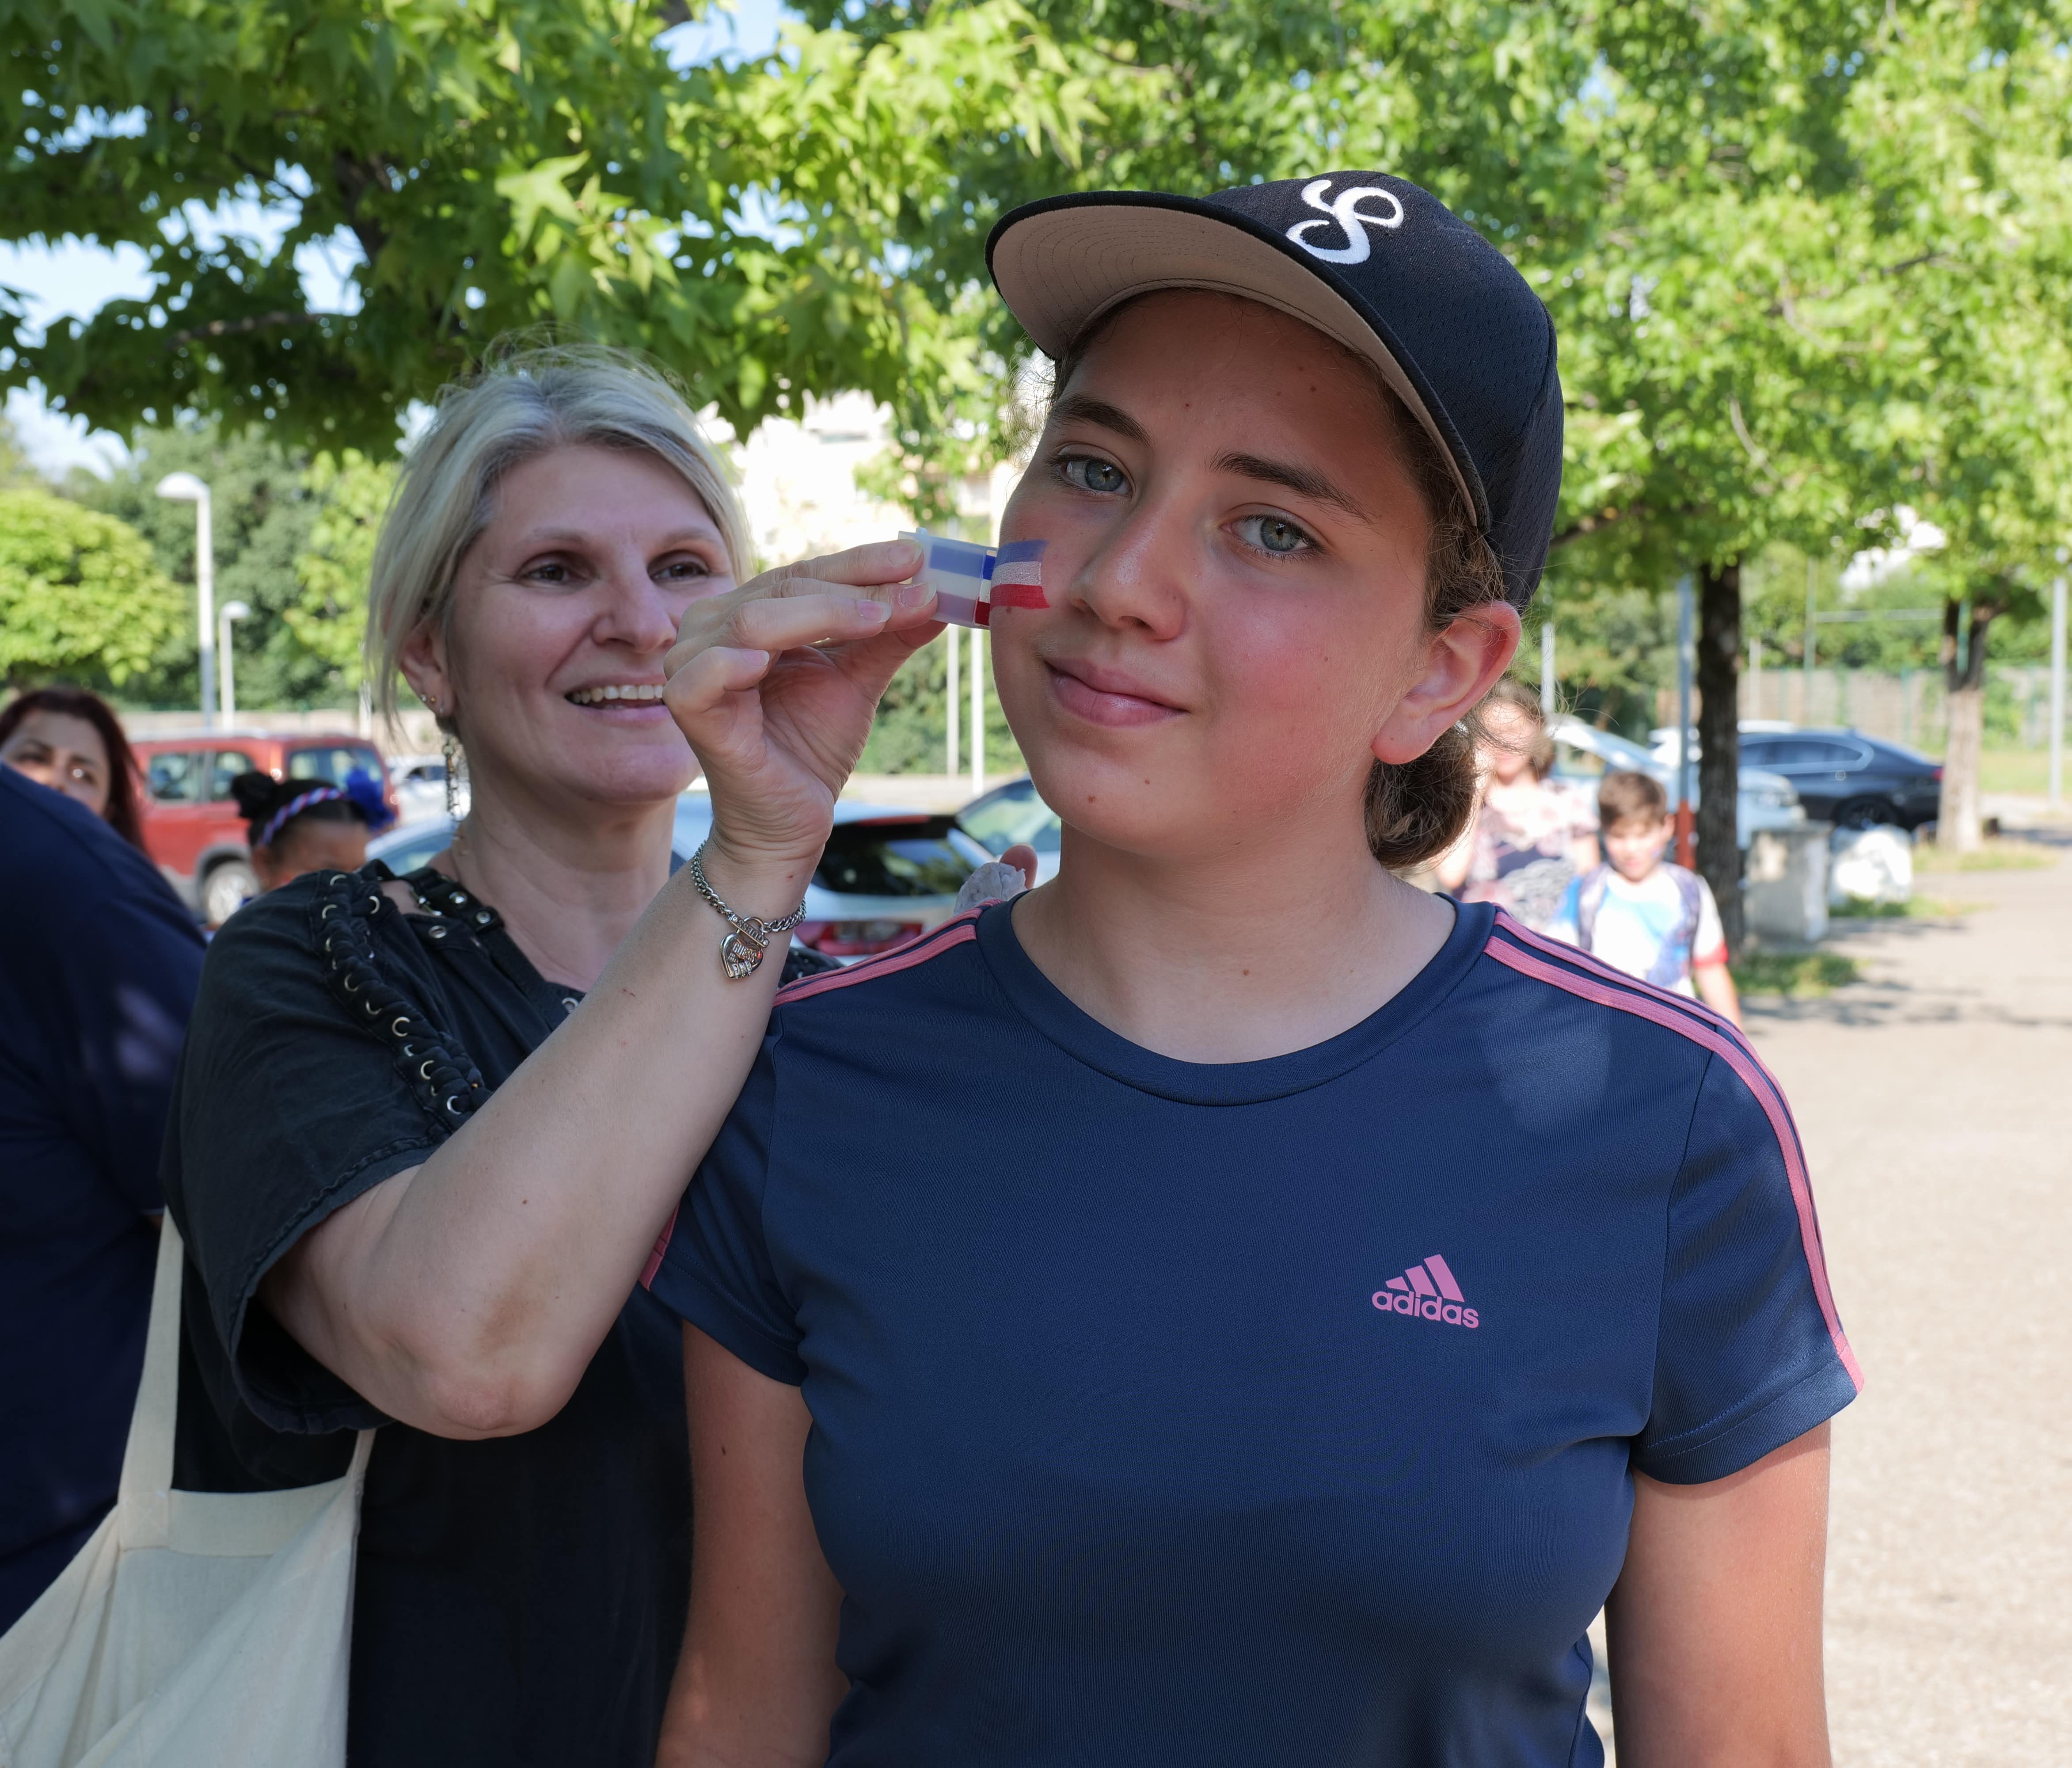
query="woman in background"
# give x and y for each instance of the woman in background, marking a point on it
(299, 825)
(1528, 839)
(72, 741)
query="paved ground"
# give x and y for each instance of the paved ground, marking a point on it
(1935, 1099)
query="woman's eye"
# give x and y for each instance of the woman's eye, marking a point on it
(683, 570)
(1091, 474)
(549, 570)
(1275, 534)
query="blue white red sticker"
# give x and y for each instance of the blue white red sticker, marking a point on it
(970, 581)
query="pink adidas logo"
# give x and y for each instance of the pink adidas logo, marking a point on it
(1428, 1291)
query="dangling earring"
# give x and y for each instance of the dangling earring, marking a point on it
(451, 751)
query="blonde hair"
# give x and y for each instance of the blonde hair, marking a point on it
(522, 403)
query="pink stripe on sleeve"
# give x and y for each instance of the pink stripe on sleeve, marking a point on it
(918, 951)
(661, 1245)
(1626, 998)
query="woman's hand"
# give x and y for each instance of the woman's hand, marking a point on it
(775, 683)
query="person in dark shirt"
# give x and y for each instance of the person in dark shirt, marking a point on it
(428, 1129)
(98, 965)
(1226, 1306)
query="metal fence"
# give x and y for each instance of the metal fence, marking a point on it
(1903, 707)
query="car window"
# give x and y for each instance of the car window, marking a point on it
(333, 762)
(1782, 751)
(925, 857)
(176, 776)
(229, 764)
(1570, 763)
(1828, 752)
(1012, 814)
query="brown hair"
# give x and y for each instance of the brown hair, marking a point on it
(123, 815)
(1511, 692)
(1416, 809)
(1640, 796)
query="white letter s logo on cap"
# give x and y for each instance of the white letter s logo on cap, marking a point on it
(1345, 210)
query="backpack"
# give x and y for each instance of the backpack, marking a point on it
(1673, 961)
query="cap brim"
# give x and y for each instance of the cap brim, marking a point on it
(1059, 265)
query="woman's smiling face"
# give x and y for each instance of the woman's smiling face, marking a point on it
(563, 610)
(1236, 580)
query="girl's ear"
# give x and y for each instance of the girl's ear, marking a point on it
(1461, 664)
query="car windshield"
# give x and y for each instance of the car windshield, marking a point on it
(921, 857)
(1012, 814)
(333, 762)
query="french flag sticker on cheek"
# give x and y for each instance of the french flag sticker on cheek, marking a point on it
(971, 581)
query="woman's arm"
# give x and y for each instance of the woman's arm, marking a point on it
(1715, 1623)
(466, 1296)
(757, 1683)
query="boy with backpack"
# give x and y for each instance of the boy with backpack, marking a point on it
(1642, 915)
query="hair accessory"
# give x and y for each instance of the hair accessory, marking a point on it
(1371, 261)
(970, 581)
(263, 835)
(364, 792)
(741, 950)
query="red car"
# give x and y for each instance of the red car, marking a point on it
(192, 826)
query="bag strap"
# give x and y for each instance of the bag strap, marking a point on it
(144, 1494)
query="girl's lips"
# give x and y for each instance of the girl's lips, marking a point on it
(1101, 697)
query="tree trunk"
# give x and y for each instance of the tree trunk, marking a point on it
(1719, 668)
(1957, 816)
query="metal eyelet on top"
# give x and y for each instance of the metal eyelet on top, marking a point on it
(439, 933)
(395, 1027)
(482, 919)
(351, 988)
(452, 1105)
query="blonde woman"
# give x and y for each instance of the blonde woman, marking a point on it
(428, 1129)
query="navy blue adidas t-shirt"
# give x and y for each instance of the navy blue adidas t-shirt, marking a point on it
(1267, 1411)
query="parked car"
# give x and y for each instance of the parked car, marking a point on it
(191, 827)
(1583, 755)
(886, 875)
(1846, 778)
(1014, 812)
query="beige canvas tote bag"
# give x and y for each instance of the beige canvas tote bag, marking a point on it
(196, 1629)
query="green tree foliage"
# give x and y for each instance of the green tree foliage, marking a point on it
(328, 616)
(263, 516)
(80, 594)
(500, 165)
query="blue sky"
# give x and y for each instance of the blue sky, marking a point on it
(74, 277)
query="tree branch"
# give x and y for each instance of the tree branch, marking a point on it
(231, 328)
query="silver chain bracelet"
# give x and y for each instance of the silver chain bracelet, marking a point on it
(741, 950)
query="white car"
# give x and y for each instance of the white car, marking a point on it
(887, 875)
(1583, 755)
(1014, 812)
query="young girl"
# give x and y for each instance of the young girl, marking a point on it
(299, 825)
(1227, 1306)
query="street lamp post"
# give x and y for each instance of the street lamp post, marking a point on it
(232, 611)
(1685, 658)
(184, 488)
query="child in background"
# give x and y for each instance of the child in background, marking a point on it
(1650, 919)
(299, 825)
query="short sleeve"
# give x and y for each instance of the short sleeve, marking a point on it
(1708, 945)
(716, 1271)
(1750, 1353)
(284, 1111)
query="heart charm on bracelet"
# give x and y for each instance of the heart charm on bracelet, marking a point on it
(741, 952)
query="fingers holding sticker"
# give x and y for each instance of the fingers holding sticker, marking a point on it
(970, 581)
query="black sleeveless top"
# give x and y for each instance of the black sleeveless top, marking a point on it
(518, 1599)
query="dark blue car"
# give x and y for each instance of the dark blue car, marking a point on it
(1848, 779)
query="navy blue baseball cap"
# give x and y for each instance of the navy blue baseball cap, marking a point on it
(1374, 263)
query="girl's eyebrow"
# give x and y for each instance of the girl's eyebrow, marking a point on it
(1077, 408)
(1302, 480)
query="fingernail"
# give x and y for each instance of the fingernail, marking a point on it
(912, 595)
(872, 610)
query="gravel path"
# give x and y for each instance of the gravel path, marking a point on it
(1935, 1099)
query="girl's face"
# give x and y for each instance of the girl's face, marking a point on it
(1236, 581)
(1507, 753)
(62, 753)
(563, 610)
(311, 845)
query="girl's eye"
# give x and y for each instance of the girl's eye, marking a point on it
(1276, 534)
(1090, 473)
